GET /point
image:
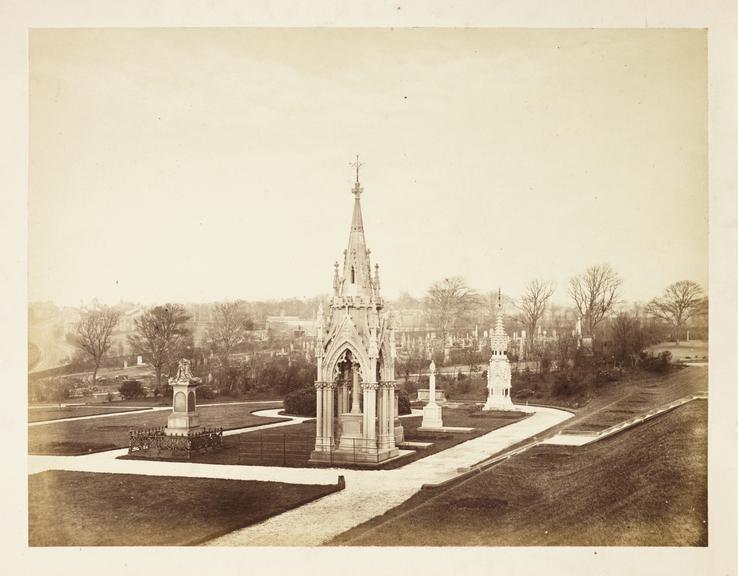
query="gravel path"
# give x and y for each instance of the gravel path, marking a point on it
(372, 492)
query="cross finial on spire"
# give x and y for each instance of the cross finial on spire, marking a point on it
(357, 165)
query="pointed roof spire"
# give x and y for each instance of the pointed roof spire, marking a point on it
(499, 339)
(357, 267)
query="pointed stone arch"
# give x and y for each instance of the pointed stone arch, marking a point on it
(333, 357)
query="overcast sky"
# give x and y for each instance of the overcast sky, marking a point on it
(205, 164)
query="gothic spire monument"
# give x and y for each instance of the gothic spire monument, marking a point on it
(499, 376)
(355, 350)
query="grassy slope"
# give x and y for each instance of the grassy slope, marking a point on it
(640, 397)
(80, 437)
(646, 486)
(88, 509)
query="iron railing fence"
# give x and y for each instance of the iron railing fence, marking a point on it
(286, 449)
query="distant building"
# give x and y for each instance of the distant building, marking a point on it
(288, 325)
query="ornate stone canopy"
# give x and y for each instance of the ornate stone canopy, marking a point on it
(355, 352)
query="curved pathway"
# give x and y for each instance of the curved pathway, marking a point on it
(106, 461)
(368, 493)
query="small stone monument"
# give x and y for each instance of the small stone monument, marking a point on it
(432, 417)
(499, 375)
(139, 360)
(184, 418)
(125, 364)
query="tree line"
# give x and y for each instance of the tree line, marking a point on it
(162, 336)
(451, 304)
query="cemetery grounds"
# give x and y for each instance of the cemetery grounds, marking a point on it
(644, 485)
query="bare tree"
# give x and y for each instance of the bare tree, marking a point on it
(533, 303)
(228, 330)
(595, 292)
(678, 304)
(158, 334)
(448, 303)
(92, 334)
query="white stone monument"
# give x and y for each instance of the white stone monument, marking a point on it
(499, 376)
(184, 417)
(432, 417)
(139, 360)
(355, 353)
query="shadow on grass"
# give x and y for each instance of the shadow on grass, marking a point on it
(95, 509)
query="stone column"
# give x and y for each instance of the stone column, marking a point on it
(355, 409)
(432, 384)
(370, 432)
(318, 416)
(380, 415)
(392, 403)
(344, 397)
(383, 412)
(388, 419)
(329, 387)
(432, 417)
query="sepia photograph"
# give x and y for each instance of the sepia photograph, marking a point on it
(367, 287)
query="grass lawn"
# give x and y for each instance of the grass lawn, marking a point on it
(90, 509)
(266, 447)
(83, 436)
(644, 487)
(151, 401)
(694, 350)
(42, 414)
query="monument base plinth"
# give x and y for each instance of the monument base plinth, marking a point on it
(182, 424)
(432, 417)
(498, 403)
(361, 456)
(399, 432)
(448, 429)
(351, 436)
